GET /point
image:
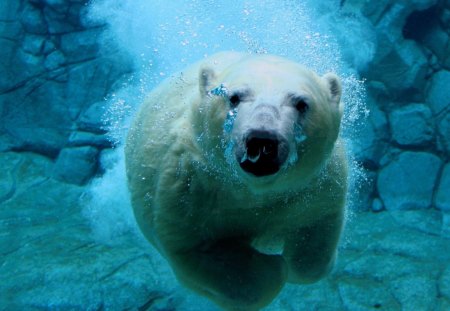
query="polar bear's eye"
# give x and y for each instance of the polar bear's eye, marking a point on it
(235, 99)
(301, 106)
(239, 96)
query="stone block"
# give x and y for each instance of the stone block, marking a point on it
(10, 161)
(74, 42)
(415, 292)
(77, 11)
(45, 141)
(91, 120)
(54, 60)
(37, 117)
(33, 44)
(377, 205)
(58, 5)
(33, 20)
(402, 69)
(442, 199)
(436, 40)
(57, 21)
(78, 139)
(444, 283)
(9, 11)
(443, 122)
(27, 65)
(408, 182)
(8, 76)
(76, 165)
(89, 84)
(373, 10)
(372, 298)
(437, 92)
(7, 142)
(412, 125)
(49, 46)
(428, 222)
(391, 20)
(446, 61)
(387, 13)
(438, 99)
(445, 229)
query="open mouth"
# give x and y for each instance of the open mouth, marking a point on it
(264, 154)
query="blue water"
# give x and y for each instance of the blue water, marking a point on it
(70, 247)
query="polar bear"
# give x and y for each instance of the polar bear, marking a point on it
(237, 176)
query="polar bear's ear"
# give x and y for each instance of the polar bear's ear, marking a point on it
(334, 85)
(206, 80)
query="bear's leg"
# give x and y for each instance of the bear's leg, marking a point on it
(232, 274)
(310, 251)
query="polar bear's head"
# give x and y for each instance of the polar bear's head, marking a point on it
(277, 116)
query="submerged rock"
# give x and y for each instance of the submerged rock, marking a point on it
(443, 123)
(412, 125)
(438, 99)
(416, 292)
(91, 120)
(8, 182)
(33, 44)
(54, 60)
(437, 41)
(45, 141)
(409, 180)
(437, 94)
(86, 41)
(402, 67)
(387, 15)
(52, 72)
(444, 283)
(78, 139)
(373, 297)
(377, 205)
(76, 165)
(442, 199)
(33, 20)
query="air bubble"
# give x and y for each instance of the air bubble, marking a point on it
(299, 135)
(229, 121)
(148, 197)
(229, 152)
(293, 157)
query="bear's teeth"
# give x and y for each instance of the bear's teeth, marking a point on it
(254, 158)
(244, 157)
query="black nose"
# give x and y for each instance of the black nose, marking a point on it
(264, 153)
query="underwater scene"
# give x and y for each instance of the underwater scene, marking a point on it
(225, 155)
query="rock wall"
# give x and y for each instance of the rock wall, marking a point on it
(53, 84)
(405, 146)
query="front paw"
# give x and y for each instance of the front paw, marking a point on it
(235, 276)
(254, 284)
(306, 271)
